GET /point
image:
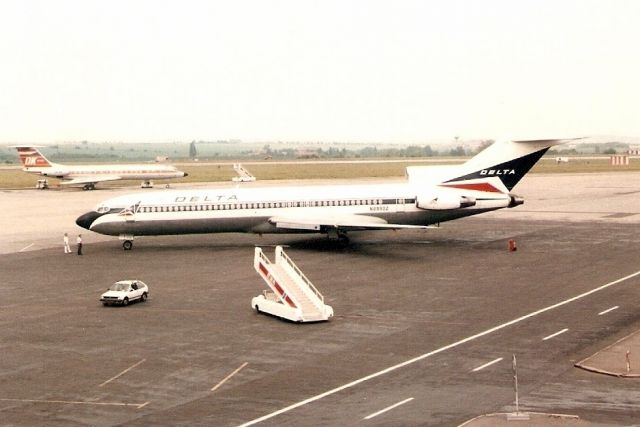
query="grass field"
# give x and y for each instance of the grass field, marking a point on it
(14, 178)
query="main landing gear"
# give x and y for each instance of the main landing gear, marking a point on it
(338, 235)
(88, 187)
(343, 239)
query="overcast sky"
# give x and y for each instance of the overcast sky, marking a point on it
(405, 71)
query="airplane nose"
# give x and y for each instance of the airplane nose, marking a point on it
(87, 219)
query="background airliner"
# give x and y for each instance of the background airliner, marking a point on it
(88, 175)
(430, 195)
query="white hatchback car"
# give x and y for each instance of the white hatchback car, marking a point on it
(124, 292)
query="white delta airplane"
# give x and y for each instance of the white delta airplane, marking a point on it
(430, 195)
(88, 176)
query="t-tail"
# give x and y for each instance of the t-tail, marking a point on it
(31, 157)
(488, 177)
(509, 161)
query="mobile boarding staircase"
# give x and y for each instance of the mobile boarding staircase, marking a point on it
(291, 296)
(243, 174)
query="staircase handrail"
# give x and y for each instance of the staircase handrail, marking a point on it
(280, 253)
(260, 255)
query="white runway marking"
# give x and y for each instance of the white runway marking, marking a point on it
(73, 402)
(388, 408)
(229, 376)
(121, 373)
(26, 247)
(548, 337)
(437, 351)
(608, 310)
(486, 365)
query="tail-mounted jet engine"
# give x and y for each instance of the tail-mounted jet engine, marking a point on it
(515, 201)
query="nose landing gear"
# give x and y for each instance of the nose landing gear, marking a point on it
(127, 241)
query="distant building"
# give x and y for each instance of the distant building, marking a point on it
(306, 153)
(634, 150)
(619, 160)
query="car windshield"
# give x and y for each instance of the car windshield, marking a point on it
(119, 287)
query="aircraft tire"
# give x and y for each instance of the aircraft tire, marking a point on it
(343, 240)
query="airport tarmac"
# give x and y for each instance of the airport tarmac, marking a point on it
(425, 326)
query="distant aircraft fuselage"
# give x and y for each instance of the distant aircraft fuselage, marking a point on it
(87, 176)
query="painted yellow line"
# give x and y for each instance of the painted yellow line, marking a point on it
(214, 388)
(75, 402)
(121, 373)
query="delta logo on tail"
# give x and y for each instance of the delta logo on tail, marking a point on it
(510, 173)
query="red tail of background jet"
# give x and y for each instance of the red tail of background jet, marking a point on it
(30, 157)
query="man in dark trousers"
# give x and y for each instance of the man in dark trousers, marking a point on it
(79, 242)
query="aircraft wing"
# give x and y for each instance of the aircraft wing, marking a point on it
(81, 180)
(343, 222)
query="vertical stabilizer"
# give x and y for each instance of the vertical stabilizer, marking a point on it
(30, 157)
(507, 160)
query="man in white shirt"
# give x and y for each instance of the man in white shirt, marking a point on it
(67, 249)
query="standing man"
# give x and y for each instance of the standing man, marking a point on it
(67, 249)
(79, 242)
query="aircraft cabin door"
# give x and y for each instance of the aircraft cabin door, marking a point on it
(130, 212)
(400, 205)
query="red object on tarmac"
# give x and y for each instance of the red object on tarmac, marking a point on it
(512, 245)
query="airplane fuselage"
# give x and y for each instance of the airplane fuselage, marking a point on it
(257, 210)
(429, 195)
(129, 171)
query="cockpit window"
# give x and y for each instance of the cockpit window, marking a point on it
(102, 209)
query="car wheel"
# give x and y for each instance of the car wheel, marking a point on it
(257, 309)
(143, 298)
(105, 304)
(125, 301)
